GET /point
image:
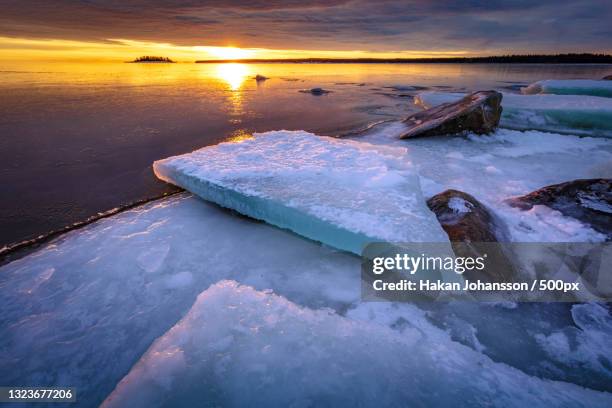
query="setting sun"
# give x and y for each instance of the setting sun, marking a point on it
(230, 53)
(233, 74)
(122, 49)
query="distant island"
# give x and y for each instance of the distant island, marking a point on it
(502, 59)
(150, 58)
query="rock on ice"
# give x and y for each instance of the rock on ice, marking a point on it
(576, 114)
(478, 112)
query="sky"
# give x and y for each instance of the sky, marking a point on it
(215, 29)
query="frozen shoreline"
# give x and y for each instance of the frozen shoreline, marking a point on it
(122, 282)
(127, 307)
(155, 259)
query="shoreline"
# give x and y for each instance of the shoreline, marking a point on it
(17, 249)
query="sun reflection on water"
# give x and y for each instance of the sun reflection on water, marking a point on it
(233, 74)
(239, 136)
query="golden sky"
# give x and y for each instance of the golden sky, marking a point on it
(187, 30)
(115, 49)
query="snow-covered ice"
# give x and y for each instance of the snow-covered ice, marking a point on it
(574, 114)
(343, 193)
(240, 347)
(571, 87)
(505, 164)
(90, 303)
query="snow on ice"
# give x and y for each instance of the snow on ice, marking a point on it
(239, 347)
(505, 164)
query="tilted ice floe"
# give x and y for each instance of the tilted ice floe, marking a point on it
(571, 87)
(575, 114)
(338, 192)
(240, 347)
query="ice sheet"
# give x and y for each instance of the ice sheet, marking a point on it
(339, 192)
(587, 115)
(240, 347)
(571, 87)
(89, 304)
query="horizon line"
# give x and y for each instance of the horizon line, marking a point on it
(582, 58)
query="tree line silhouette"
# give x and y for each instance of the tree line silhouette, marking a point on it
(152, 58)
(584, 58)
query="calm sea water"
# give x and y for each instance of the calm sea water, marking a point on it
(77, 139)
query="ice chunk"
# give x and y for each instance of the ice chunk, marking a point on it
(88, 307)
(571, 87)
(586, 345)
(241, 347)
(559, 113)
(339, 192)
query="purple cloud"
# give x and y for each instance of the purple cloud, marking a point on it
(477, 25)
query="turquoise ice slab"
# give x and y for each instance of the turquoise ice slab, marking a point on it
(575, 114)
(571, 87)
(342, 193)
